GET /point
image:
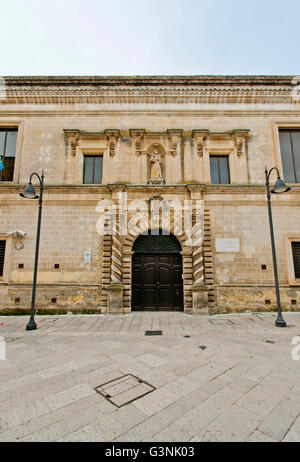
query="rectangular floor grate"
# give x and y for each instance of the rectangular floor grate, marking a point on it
(123, 390)
(153, 332)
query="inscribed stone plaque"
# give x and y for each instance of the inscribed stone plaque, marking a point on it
(227, 245)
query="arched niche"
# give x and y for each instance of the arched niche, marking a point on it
(156, 164)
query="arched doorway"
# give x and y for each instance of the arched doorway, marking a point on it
(157, 272)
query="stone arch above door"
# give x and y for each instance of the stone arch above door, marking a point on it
(156, 241)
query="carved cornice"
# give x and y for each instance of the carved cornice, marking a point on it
(238, 137)
(150, 90)
(133, 80)
(116, 187)
(156, 197)
(74, 136)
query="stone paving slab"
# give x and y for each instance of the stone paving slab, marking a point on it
(217, 378)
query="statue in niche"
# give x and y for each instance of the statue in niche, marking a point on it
(155, 168)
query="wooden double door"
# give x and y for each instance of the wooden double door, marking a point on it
(157, 282)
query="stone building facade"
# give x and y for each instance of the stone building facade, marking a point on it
(103, 142)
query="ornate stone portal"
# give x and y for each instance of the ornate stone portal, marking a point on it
(197, 276)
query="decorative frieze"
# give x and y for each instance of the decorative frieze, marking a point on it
(151, 90)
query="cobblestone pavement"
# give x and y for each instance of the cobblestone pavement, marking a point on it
(217, 378)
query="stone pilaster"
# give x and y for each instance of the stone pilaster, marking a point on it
(106, 271)
(208, 262)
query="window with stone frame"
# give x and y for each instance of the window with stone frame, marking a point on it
(290, 154)
(8, 142)
(92, 169)
(2, 256)
(219, 169)
(296, 258)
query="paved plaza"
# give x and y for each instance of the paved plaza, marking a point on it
(215, 378)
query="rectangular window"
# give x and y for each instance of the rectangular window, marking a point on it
(296, 258)
(219, 170)
(2, 255)
(8, 142)
(92, 171)
(290, 154)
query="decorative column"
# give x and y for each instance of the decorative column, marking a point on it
(208, 263)
(106, 272)
(116, 257)
(115, 290)
(199, 289)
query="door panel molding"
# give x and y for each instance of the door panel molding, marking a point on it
(157, 282)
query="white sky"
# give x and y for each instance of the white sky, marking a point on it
(155, 37)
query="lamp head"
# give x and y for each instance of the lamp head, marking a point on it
(29, 192)
(280, 187)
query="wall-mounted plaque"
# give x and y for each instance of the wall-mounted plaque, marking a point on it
(227, 245)
(87, 256)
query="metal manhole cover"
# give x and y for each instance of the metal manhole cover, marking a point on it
(123, 390)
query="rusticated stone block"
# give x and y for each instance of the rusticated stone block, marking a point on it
(115, 298)
(200, 298)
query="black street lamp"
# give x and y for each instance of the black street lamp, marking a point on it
(278, 188)
(29, 193)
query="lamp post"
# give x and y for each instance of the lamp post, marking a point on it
(29, 193)
(279, 187)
